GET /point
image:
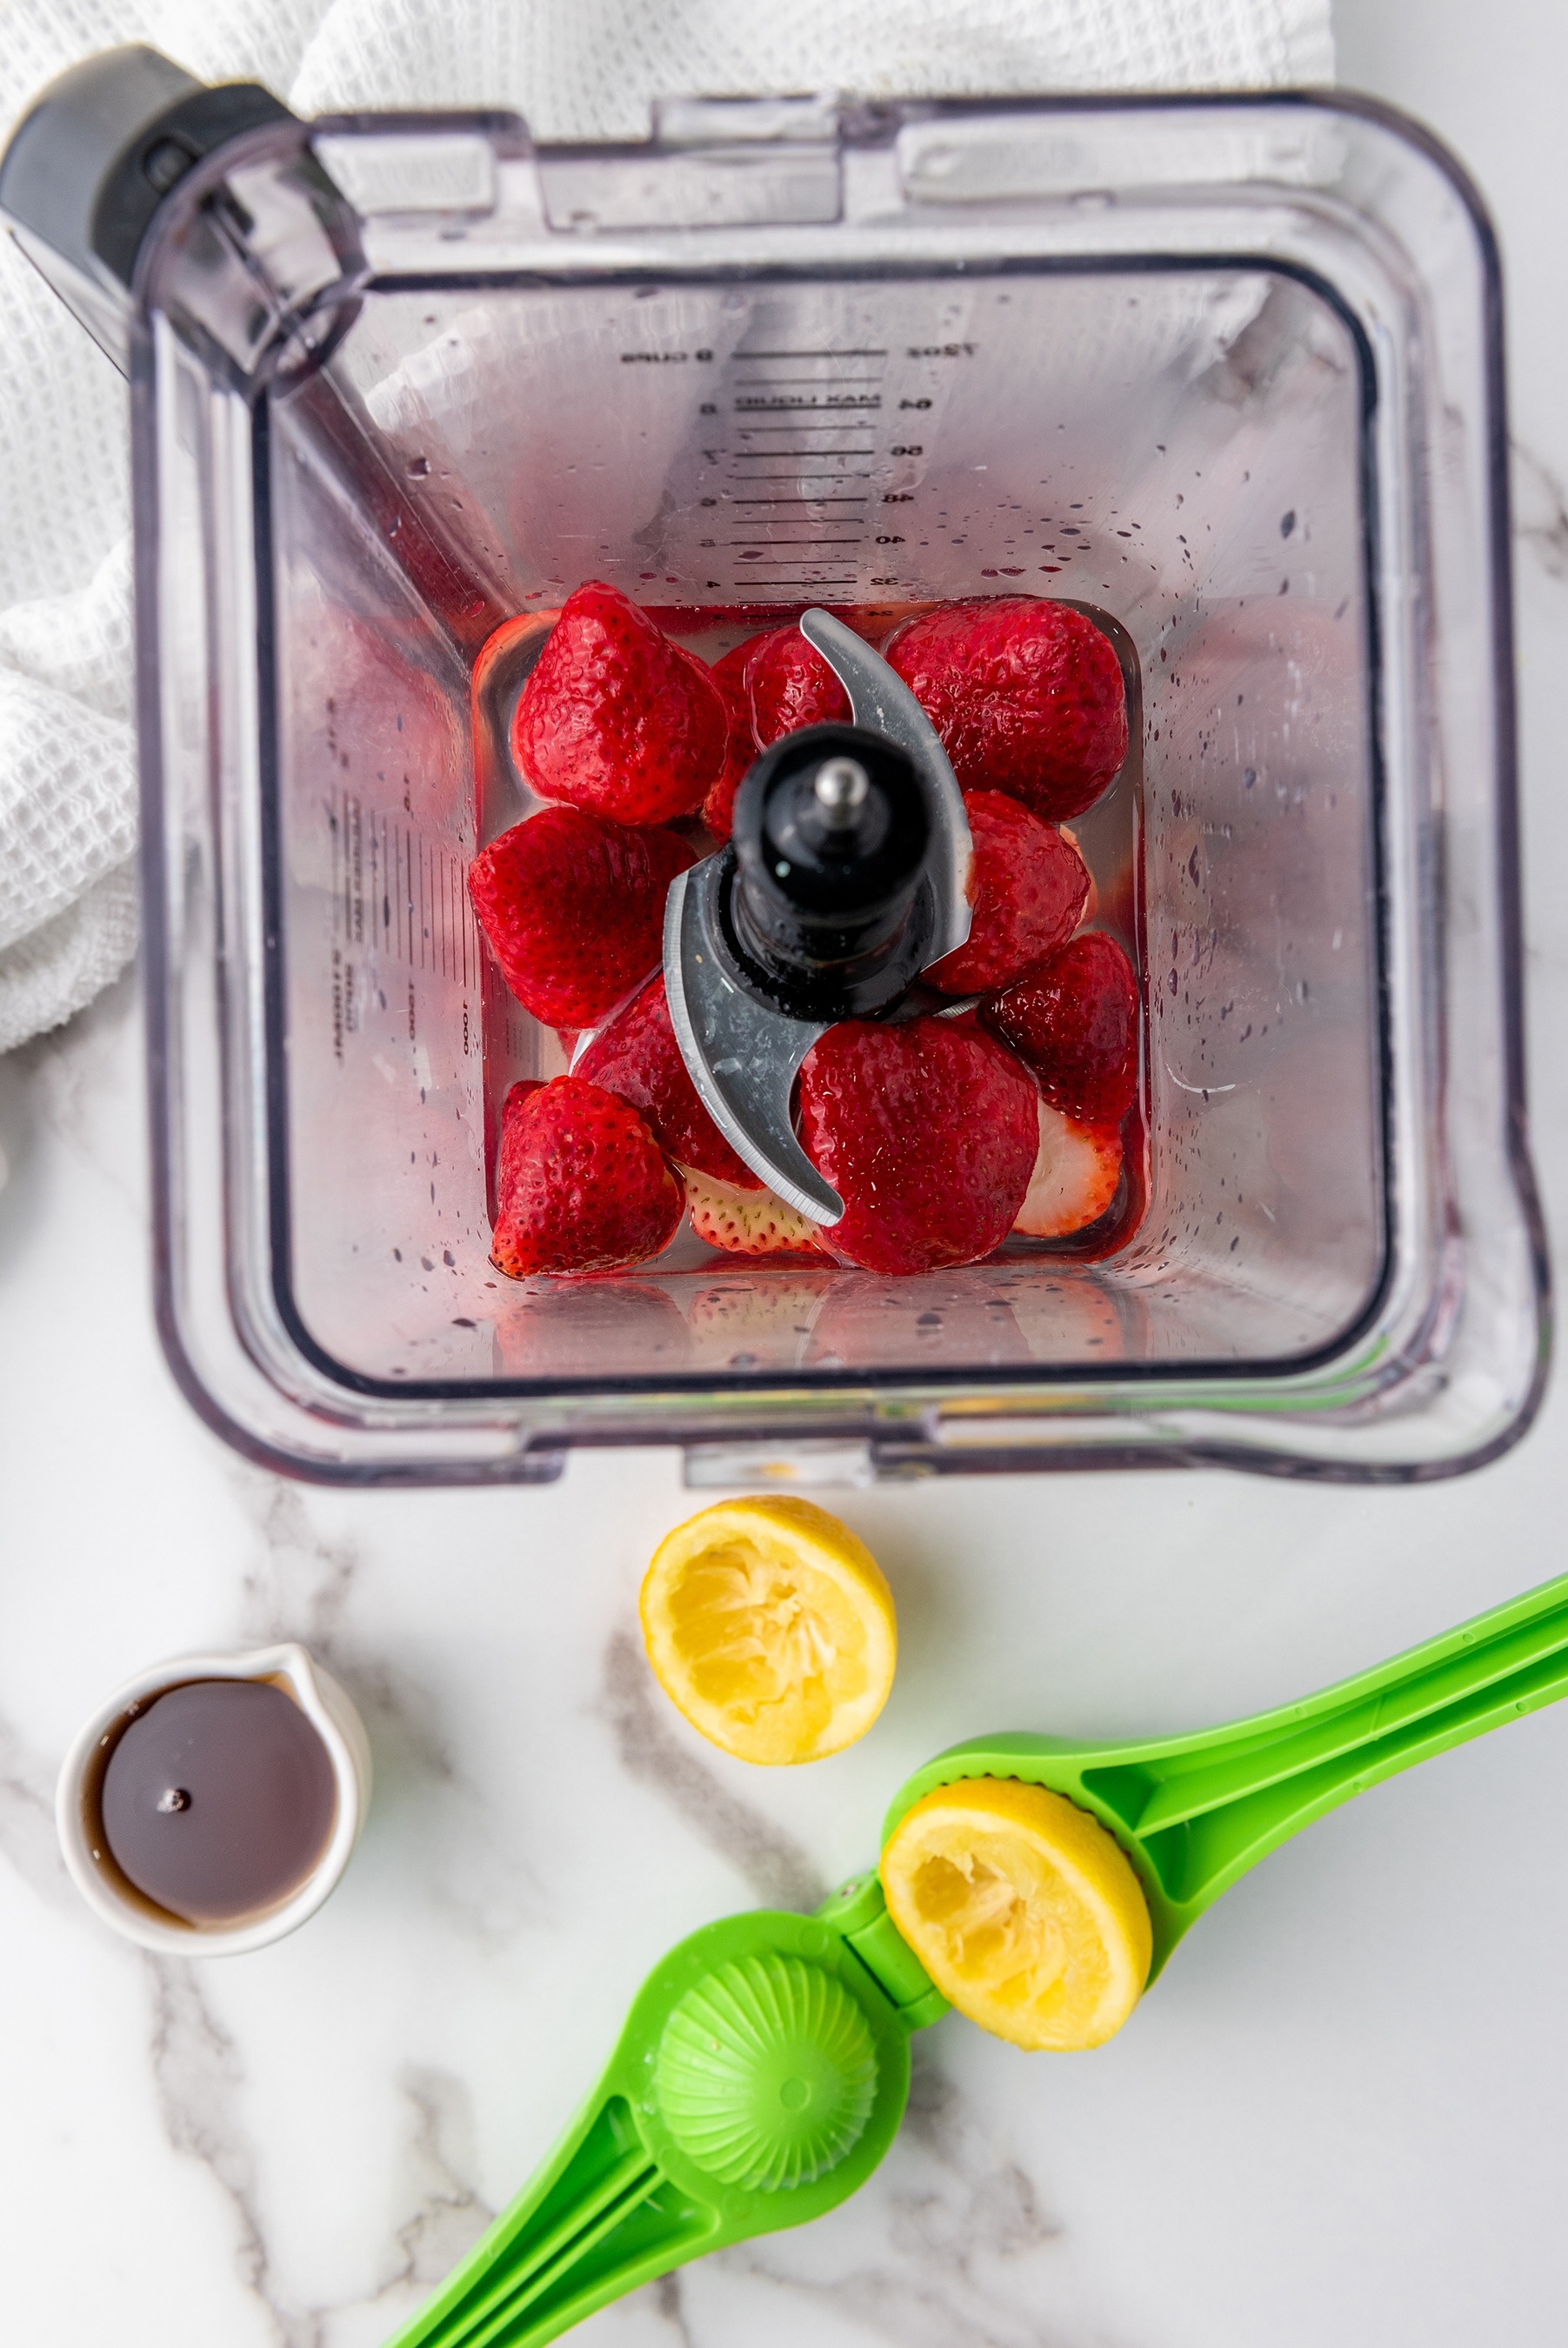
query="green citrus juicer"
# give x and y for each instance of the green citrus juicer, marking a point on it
(764, 2067)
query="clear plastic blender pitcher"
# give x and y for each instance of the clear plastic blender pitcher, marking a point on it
(1223, 372)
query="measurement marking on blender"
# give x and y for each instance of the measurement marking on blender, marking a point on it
(745, 358)
(415, 889)
(795, 405)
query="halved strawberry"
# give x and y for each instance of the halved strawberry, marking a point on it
(927, 1131)
(1077, 1169)
(1091, 911)
(1029, 890)
(636, 1057)
(1074, 1021)
(746, 1222)
(773, 685)
(789, 684)
(581, 1184)
(740, 744)
(574, 907)
(1027, 697)
(616, 718)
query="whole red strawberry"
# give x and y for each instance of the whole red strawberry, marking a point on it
(1075, 1021)
(789, 684)
(581, 1184)
(615, 717)
(574, 907)
(1026, 696)
(773, 684)
(740, 745)
(637, 1058)
(1029, 891)
(927, 1131)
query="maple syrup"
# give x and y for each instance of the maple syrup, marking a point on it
(217, 1801)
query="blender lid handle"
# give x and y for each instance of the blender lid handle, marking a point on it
(93, 159)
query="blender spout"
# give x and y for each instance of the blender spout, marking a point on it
(93, 160)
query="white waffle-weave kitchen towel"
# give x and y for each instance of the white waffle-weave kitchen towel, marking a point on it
(573, 69)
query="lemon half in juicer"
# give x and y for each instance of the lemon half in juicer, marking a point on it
(764, 2067)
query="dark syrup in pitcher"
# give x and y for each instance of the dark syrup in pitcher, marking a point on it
(217, 1801)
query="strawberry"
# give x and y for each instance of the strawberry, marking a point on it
(574, 907)
(741, 745)
(616, 718)
(1077, 1169)
(1029, 892)
(636, 1057)
(1026, 696)
(1074, 1020)
(773, 683)
(789, 684)
(927, 1131)
(581, 1184)
(1091, 911)
(746, 1222)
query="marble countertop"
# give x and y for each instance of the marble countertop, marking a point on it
(1337, 2117)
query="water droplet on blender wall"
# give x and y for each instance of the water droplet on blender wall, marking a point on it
(416, 468)
(171, 1799)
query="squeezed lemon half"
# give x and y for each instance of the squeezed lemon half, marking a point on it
(1022, 1908)
(770, 1626)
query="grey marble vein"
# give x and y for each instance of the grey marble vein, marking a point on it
(27, 1838)
(307, 1586)
(668, 2299)
(304, 1582)
(450, 2214)
(777, 1870)
(64, 1082)
(968, 2242)
(1541, 512)
(198, 2076)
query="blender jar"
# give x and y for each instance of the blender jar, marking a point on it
(1226, 373)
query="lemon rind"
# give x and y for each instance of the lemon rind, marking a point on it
(795, 1532)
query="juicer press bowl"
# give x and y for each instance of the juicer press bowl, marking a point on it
(1226, 371)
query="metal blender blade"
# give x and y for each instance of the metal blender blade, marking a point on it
(744, 1052)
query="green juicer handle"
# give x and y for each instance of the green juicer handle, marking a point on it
(761, 2074)
(1193, 1813)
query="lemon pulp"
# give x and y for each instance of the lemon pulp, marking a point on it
(770, 1626)
(1022, 1910)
